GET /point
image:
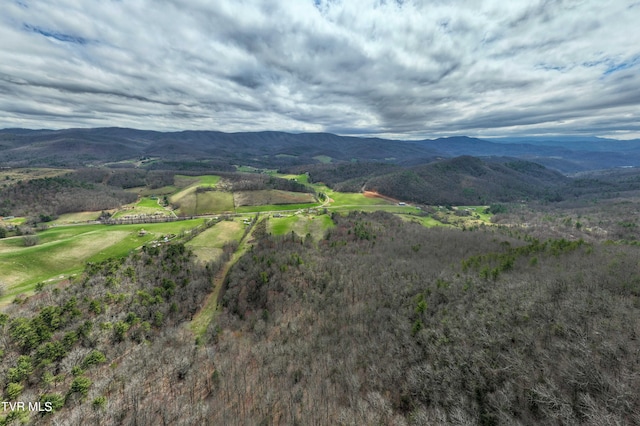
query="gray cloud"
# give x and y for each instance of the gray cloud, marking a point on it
(407, 69)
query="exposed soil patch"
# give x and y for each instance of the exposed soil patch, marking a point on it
(375, 194)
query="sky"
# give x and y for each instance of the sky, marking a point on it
(398, 69)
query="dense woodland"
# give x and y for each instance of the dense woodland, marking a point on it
(58, 195)
(381, 322)
(459, 181)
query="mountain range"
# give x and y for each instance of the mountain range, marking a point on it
(96, 146)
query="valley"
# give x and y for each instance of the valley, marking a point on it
(338, 291)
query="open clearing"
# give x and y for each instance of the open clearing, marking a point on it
(302, 178)
(76, 218)
(301, 225)
(275, 208)
(64, 250)
(146, 206)
(325, 159)
(191, 201)
(11, 176)
(351, 198)
(208, 245)
(271, 197)
(199, 196)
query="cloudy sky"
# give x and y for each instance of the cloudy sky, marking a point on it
(400, 69)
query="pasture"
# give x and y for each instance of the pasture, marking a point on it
(199, 196)
(275, 208)
(63, 250)
(208, 245)
(77, 217)
(300, 224)
(146, 206)
(271, 197)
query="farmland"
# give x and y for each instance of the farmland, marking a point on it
(208, 245)
(72, 239)
(301, 224)
(64, 250)
(200, 196)
(271, 197)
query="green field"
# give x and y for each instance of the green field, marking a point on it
(323, 158)
(275, 208)
(351, 198)
(301, 225)
(271, 197)
(426, 221)
(146, 206)
(303, 178)
(64, 250)
(192, 200)
(208, 245)
(478, 211)
(15, 221)
(76, 218)
(392, 208)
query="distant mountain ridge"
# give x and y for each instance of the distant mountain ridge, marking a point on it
(82, 147)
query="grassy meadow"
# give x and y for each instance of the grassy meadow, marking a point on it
(300, 224)
(208, 245)
(63, 250)
(271, 197)
(198, 196)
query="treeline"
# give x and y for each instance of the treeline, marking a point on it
(209, 166)
(348, 177)
(254, 182)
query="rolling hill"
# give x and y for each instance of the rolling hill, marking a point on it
(269, 149)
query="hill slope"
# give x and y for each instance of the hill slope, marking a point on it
(468, 180)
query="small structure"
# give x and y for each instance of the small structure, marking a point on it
(142, 233)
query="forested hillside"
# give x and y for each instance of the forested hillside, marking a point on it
(104, 347)
(58, 195)
(457, 181)
(389, 323)
(381, 322)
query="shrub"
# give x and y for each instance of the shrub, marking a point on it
(30, 240)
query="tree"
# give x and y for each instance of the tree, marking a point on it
(80, 385)
(30, 240)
